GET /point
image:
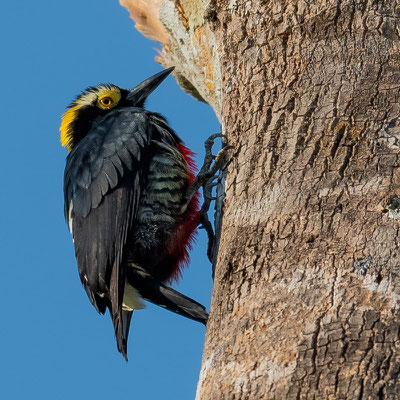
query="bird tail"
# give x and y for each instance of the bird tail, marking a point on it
(164, 296)
(121, 327)
(121, 318)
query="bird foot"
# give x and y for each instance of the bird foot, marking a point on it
(205, 179)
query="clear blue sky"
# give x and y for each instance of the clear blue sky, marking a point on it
(53, 344)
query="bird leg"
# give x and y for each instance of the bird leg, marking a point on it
(205, 179)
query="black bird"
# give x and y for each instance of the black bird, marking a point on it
(126, 186)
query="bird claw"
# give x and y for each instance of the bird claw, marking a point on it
(205, 179)
(207, 226)
(208, 171)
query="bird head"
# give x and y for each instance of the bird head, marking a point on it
(99, 100)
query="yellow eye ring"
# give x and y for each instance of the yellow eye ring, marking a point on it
(106, 102)
(108, 98)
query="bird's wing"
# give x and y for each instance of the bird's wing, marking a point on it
(102, 184)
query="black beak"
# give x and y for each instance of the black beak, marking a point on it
(139, 93)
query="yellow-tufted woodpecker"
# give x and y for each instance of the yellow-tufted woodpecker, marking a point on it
(126, 186)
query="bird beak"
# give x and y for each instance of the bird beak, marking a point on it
(140, 92)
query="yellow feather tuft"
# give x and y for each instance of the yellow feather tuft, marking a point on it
(66, 126)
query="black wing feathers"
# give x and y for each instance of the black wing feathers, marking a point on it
(96, 164)
(102, 184)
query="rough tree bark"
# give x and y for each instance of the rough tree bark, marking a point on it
(306, 293)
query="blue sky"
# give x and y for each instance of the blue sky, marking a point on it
(53, 343)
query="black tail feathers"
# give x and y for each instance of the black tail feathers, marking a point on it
(121, 326)
(161, 295)
(180, 304)
(164, 296)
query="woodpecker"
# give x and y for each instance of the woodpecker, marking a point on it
(126, 185)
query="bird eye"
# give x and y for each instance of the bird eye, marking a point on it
(106, 101)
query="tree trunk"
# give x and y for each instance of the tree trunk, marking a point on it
(306, 293)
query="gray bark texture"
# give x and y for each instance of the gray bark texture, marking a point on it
(307, 283)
